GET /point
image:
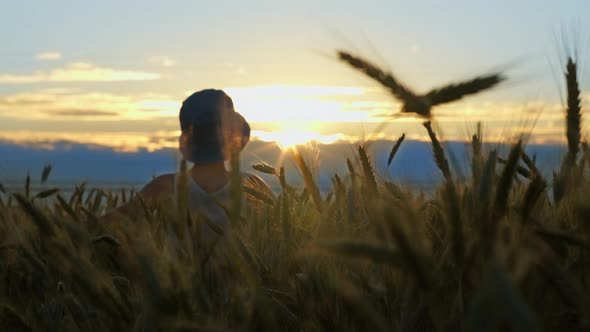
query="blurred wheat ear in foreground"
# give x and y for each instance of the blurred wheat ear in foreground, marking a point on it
(421, 104)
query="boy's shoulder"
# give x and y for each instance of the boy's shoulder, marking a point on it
(165, 180)
(160, 185)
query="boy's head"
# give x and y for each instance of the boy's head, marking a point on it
(211, 127)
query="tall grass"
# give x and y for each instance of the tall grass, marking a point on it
(565, 180)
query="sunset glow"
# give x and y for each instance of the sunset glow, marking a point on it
(301, 103)
(286, 81)
(287, 139)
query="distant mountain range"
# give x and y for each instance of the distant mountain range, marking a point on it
(74, 163)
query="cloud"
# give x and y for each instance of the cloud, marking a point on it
(80, 72)
(163, 60)
(293, 91)
(49, 103)
(82, 113)
(49, 56)
(118, 141)
(24, 100)
(239, 70)
(21, 79)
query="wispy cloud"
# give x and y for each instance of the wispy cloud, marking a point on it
(49, 56)
(121, 142)
(52, 103)
(82, 113)
(239, 70)
(290, 91)
(162, 60)
(79, 72)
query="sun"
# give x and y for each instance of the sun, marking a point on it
(288, 139)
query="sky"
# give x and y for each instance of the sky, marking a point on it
(114, 73)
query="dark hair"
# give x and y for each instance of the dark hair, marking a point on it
(213, 124)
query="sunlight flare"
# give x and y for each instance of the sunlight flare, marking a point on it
(289, 138)
(301, 103)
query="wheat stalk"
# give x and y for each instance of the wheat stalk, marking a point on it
(573, 118)
(308, 180)
(395, 148)
(45, 173)
(505, 181)
(439, 153)
(368, 171)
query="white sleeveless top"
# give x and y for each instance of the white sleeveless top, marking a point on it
(213, 206)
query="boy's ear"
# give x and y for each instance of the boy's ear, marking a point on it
(184, 143)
